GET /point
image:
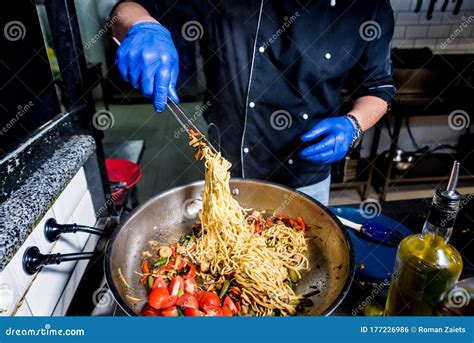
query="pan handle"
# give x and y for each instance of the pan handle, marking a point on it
(34, 260)
(53, 230)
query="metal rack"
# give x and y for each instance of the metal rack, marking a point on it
(411, 106)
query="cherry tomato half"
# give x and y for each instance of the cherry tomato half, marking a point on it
(191, 286)
(193, 312)
(210, 299)
(147, 311)
(213, 311)
(226, 312)
(170, 312)
(200, 295)
(230, 305)
(159, 283)
(176, 285)
(187, 300)
(160, 298)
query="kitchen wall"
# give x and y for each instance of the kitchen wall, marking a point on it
(93, 31)
(445, 33)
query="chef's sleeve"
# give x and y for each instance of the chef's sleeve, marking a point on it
(372, 75)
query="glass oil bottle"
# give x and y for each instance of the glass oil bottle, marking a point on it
(426, 265)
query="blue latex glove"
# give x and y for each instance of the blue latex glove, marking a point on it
(147, 58)
(334, 137)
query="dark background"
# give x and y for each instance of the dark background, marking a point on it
(27, 91)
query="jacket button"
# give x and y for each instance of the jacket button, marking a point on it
(261, 49)
(327, 56)
(251, 104)
(305, 116)
(246, 150)
(290, 161)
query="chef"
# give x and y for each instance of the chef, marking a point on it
(274, 74)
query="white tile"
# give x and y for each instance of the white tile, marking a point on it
(68, 200)
(403, 43)
(23, 310)
(416, 31)
(49, 284)
(468, 5)
(436, 18)
(449, 18)
(399, 32)
(70, 289)
(408, 18)
(463, 30)
(84, 214)
(9, 294)
(400, 5)
(425, 43)
(454, 51)
(443, 44)
(16, 264)
(439, 31)
(464, 43)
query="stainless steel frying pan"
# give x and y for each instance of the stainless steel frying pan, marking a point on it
(166, 217)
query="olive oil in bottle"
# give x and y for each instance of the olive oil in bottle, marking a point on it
(426, 265)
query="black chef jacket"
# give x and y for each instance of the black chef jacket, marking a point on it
(275, 68)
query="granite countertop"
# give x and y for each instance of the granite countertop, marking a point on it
(35, 184)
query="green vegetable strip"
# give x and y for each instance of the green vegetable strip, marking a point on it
(123, 278)
(224, 289)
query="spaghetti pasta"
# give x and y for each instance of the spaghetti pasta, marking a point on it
(260, 262)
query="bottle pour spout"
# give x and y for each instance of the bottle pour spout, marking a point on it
(453, 179)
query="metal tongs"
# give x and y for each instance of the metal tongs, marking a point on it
(186, 123)
(180, 116)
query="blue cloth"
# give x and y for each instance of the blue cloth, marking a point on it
(318, 191)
